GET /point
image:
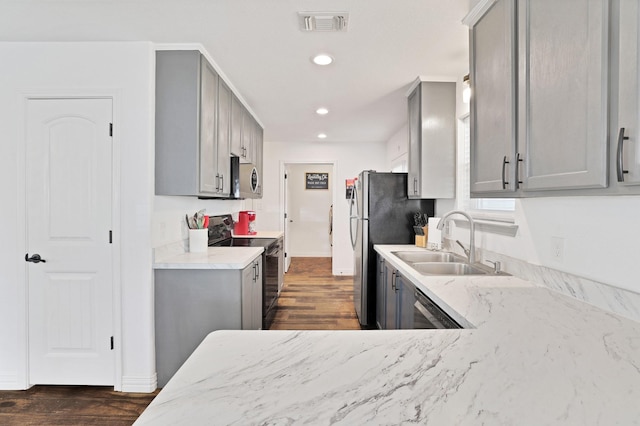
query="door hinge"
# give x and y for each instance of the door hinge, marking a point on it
(285, 255)
(110, 129)
(111, 342)
(285, 175)
(110, 237)
(285, 215)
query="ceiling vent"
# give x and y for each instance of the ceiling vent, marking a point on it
(323, 21)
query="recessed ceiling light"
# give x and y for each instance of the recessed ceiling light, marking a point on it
(322, 59)
(322, 111)
(322, 136)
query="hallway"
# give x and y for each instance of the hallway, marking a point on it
(314, 299)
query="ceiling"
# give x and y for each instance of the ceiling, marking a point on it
(260, 48)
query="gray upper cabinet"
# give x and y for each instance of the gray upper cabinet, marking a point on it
(199, 125)
(258, 150)
(185, 154)
(563, 93)
(493, 113)
(625, 136)
(208, 131)
(224, 138)
(242, 132)
(539, 111)
(432, 130)
(237, 112)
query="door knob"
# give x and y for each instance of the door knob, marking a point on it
(34, 259)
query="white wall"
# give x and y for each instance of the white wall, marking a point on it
(125, 71)
(349, 159)
(309, 212)
(397, 150)
(600, 237)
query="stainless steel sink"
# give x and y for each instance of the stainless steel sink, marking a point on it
(425, 256)
(447, 268)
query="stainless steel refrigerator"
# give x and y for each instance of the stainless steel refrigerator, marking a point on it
(380, 213)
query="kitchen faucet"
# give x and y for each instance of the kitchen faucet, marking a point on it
(472, 228)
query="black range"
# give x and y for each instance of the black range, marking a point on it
(272, 260)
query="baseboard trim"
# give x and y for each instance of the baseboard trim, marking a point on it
(10, 381)
(348, 272)
(140, 384)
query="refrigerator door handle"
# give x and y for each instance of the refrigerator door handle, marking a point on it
(352, 217)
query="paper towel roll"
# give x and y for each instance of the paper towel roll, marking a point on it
(434, 239)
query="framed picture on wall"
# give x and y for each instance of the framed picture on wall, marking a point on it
(316, 180)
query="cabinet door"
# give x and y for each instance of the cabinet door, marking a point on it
(208, 132)
(248, 130)
(258, 153)
(236, 126)
(493, 102)
(252, 296)
(414, 151)
(381, 293)
(563, 93)
(257, 295)
(390, 299)
(626, 152)
(406, 299)
(224, 137)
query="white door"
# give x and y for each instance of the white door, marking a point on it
(287, 220)
(69, 197)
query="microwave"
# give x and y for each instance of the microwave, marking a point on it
(245, 180)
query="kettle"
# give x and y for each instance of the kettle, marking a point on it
(246, 223)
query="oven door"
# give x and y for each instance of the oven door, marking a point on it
(272, 269)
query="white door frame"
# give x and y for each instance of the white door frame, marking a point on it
(333, 184)
(21, 210)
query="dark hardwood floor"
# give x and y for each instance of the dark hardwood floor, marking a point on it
(71, 405)
(312, 299)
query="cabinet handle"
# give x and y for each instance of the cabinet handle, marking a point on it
(217, 182)
(518, 161)
(393, 280)
(504, 170)
(415, 185)
(221, 183)
(619, 165)
(256, 271)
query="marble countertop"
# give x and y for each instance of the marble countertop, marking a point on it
(531, 357)
(261, 234)
(214, 258)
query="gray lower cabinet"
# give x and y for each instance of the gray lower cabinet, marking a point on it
(432, 133)
(394, 298)
(191, 303)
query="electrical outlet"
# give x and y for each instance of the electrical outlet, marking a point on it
(557, 248)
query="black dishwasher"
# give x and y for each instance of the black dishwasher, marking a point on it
(418, 311)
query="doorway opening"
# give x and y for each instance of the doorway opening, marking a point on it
(308, 191)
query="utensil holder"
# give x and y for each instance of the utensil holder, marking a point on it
(198, 240)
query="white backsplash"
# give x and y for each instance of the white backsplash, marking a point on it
(622, 302)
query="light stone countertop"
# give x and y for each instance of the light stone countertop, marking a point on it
(261, 234)
(533, 357)
(214, 258)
